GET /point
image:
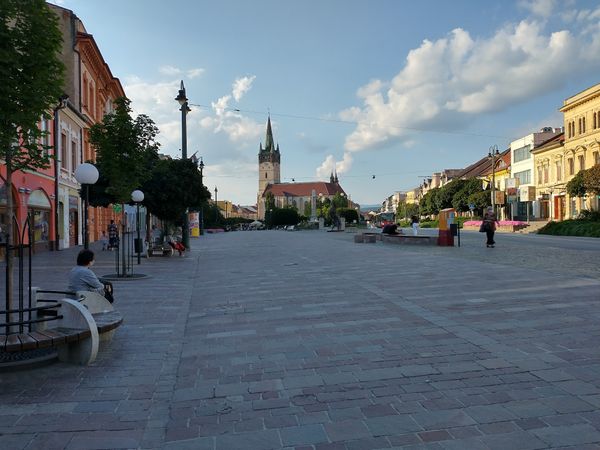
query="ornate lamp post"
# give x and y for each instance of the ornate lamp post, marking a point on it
(183, 101)
(201, 166)
(493, 154)
(86, 174)
(217, 205)
(138, 196)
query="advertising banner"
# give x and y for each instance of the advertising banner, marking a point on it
(194, 221)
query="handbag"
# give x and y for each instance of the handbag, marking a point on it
(483, 227)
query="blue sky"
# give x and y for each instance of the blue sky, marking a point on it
(392, 88)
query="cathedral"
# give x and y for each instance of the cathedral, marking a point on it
(286, 194)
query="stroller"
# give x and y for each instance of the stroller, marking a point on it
(176, 245)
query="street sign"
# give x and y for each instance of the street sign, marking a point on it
(471, 206)
(117, 207)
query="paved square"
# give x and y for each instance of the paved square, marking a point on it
(259, 340)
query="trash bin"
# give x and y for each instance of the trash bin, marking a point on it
(138, 245)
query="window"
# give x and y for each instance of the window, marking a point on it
(596, 157)
(581, 162)
(63, 151)
(595, 120)
(73, 155)
(44, 127)
(522, 154)
(546, 170)
(579, 123)
(539, 174)
(583, 124)
(571, 166)
(558, 170)
(85, 92)
(524, 177)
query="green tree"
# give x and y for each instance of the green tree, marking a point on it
(591, 179)
(31, 75)
(126, 151)
(576, 186)
(462, 198)
(284, 216)
(174, 185)
(430, 203)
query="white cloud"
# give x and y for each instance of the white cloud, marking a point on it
(446, 82)
(330, 165)
(169, 70)
(238, 128)
(193, 73)
(241, 86)
(541, 8)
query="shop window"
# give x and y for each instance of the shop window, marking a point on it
(39, 208)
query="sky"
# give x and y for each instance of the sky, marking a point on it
(384, 92)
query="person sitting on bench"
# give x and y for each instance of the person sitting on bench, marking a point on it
(81, 277)
(390, 228)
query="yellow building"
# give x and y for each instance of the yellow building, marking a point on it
(582, 144)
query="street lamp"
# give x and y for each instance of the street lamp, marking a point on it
(183, 101)
(493, 154)
(217, 205)
(138, 196)
(201, 166)
(86, 174)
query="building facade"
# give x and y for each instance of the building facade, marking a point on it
(581, 145)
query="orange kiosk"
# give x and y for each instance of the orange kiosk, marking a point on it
(446, 220)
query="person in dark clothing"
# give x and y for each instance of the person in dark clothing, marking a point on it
(489, 225)
(390, 228)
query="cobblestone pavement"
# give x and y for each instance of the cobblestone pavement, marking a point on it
(305, 340)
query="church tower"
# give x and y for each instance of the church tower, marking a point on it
(268, 161)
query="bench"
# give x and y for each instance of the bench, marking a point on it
(75, 325)
(410, 240)
(369, 238)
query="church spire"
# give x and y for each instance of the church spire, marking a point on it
(269, 146)
(331, 179)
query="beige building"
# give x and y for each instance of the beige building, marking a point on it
(581, 147)
(550, 184)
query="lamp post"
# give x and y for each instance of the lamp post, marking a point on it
(201, 166)
(86, 174)
(138, 196)
(217, 205)
(493, 154)
(183, 101)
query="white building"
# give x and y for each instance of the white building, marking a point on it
(522, 169)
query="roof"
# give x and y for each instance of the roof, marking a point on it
(303, 189)
(483, 167)
(554, 141)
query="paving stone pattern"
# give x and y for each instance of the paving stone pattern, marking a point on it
(305, 340)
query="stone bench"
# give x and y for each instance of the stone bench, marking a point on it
(368, 238)
(410, 240)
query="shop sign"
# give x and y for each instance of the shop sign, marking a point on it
(117, 207)
(527, 193)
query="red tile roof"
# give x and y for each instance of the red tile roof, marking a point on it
(303, 189)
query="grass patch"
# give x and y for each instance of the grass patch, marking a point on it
(575, 227)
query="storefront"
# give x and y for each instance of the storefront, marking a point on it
(39, 210)
(73, 220)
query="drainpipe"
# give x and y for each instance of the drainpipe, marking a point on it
(62, 103)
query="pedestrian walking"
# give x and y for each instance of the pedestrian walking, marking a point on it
(489, 226)
(104, 241)
(113, 236)
(414, 223)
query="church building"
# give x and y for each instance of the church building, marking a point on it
(286, 194)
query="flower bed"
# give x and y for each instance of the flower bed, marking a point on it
(502, 225)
